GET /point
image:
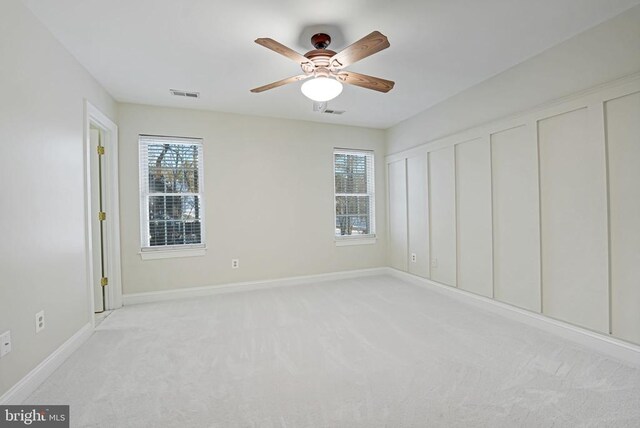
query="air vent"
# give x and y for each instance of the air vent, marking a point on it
(188, 94)
(321, 107)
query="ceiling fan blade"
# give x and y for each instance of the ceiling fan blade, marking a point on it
(282, 50)
(365, 81)
(366, 46)
(280, 83)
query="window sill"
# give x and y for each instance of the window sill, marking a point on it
(174, 253)
(343, 242)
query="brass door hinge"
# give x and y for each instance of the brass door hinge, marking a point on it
(102, 216)
(100, 150)
(104, 281)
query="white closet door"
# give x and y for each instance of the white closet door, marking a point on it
(442, 190)
(397, 176)
(573, 221)
(623, 139)
(473, 202)
(516, 226)
(418, 215)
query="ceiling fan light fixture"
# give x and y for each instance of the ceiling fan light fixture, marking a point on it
(321, 89)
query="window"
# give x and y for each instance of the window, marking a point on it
(354, 194)
(171, 194)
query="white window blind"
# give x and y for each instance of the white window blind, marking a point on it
(354, 179)
(171, 193)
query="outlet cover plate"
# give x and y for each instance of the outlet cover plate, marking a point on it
(40, 325)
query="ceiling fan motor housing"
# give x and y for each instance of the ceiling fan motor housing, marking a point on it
(320, 55)
(320, 41)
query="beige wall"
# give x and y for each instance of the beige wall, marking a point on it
(268, 194)
(546, 214)
(418, 215)
(623, 144)
(573, 218)
(603, 53)
(442, 215)
(397, 247)
(42, 250)
(540, 224)
(473, 208)
(516, 213)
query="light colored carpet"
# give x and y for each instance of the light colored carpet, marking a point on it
(368, 352)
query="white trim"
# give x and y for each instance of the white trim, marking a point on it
(344, 242)
(111, 206)
(187, 141)
(186, 293)
(610, 346)
(28, 384)
(148, 254)
(371, 190)
(598, 132)
(143, 195)
(607, 345)
(352, 151)
(406, 214)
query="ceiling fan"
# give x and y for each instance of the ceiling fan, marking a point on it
(326, 67)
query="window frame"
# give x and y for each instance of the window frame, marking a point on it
(370, 238)
(148, 252)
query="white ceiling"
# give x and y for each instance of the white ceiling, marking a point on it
(138, 49)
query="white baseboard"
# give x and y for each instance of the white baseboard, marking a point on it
(186, 293)
(28, 384)
(598, 342)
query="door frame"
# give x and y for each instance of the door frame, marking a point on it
(94, 117)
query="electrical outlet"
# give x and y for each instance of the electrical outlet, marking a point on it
(235, 263)
(434, 263)
(5, 343)
(40, 325)
(414, 258)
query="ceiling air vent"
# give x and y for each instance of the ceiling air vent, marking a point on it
(188, 94)
(321, 107)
